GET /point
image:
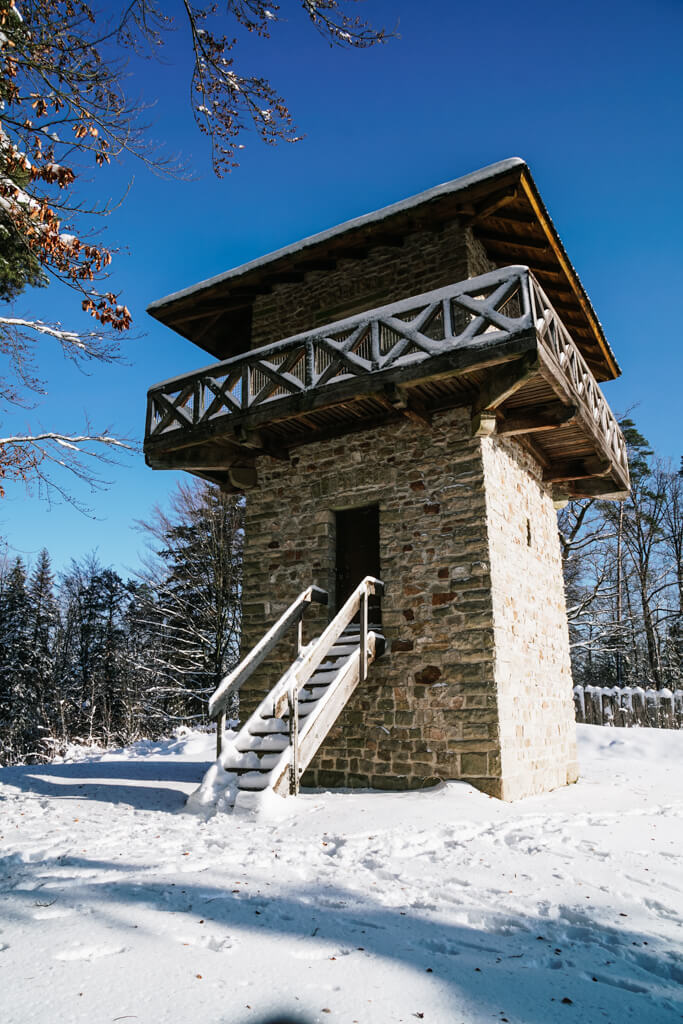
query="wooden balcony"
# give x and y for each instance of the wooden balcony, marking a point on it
(493, 343)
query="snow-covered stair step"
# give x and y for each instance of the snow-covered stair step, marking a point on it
(340, 649)
(268, 761)
(320, 678)
(263, 744)
(253, 780)
(267, 726)
(252, 760)
(313, 694)
(235, 761)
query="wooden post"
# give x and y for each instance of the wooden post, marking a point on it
(220, 722)
(300, 635)
(364, 635)
(292, 703)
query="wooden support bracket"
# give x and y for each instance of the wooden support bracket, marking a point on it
(499, 385)
(254, 441)
(243, 477)
(484, 423)
(577, 469)
(398, 399)
(543, 417)
(248, 438)
(504, 381)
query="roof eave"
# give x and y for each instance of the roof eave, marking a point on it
(463, 183)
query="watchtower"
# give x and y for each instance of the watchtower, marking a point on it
(408, 396)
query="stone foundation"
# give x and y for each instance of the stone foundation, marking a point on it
(475, 683)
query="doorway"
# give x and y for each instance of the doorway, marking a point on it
(357, 554)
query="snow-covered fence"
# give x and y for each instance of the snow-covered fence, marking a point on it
(629, 706)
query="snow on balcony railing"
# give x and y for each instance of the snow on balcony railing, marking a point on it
(479, 313)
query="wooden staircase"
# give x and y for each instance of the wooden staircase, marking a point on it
(278, 742)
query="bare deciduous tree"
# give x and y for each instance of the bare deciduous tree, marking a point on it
(66, 110)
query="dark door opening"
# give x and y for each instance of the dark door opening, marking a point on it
(357, 554)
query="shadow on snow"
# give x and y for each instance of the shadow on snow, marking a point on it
(137, 783)
(520, 965)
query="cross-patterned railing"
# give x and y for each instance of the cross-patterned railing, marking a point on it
(403, 333)
(482, 311)
(555, 337)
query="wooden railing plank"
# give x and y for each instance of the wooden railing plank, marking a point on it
(236, 679)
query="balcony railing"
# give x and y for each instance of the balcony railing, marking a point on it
(554, 337)
(468, 318)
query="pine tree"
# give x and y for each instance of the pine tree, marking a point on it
(17, 715)
(195, 577)
(42, 624)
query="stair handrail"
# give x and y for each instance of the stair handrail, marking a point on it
(232, 683)
(315, 654)
(318, 650)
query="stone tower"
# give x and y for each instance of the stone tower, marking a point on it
(409, 395)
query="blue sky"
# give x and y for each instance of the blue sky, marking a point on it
(590, 95)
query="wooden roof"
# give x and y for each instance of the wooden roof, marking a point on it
(500, 202)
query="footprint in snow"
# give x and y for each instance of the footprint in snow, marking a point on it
(661, 910)
(213, 942)
(80, 952)
(50, 913)
(624, 983)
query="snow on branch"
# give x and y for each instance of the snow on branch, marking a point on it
(66, 337)
(41, 459)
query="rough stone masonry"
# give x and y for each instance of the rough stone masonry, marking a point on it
(475, 683)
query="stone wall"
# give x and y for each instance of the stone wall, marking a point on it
(475, 683)
(533, 672)
(428, 708)
(425, 260)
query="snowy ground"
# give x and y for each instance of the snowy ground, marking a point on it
(443, 906)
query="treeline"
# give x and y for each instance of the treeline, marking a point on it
(91, 657)
(624, 577)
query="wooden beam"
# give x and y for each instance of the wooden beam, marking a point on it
(397, 398)
(194, 312)
(530, 442)
(209, 457)
(549, 416)
(516, 217)
(256, 443)
(496, 202)
(548, 268)
(577, 469)
(513, 241)
(504, 381)
(284, 277)
(208, 327)
(605, 488)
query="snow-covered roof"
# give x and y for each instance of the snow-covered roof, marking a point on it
(528, 237)
(447, 188)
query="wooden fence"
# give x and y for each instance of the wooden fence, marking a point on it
(629, 706)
